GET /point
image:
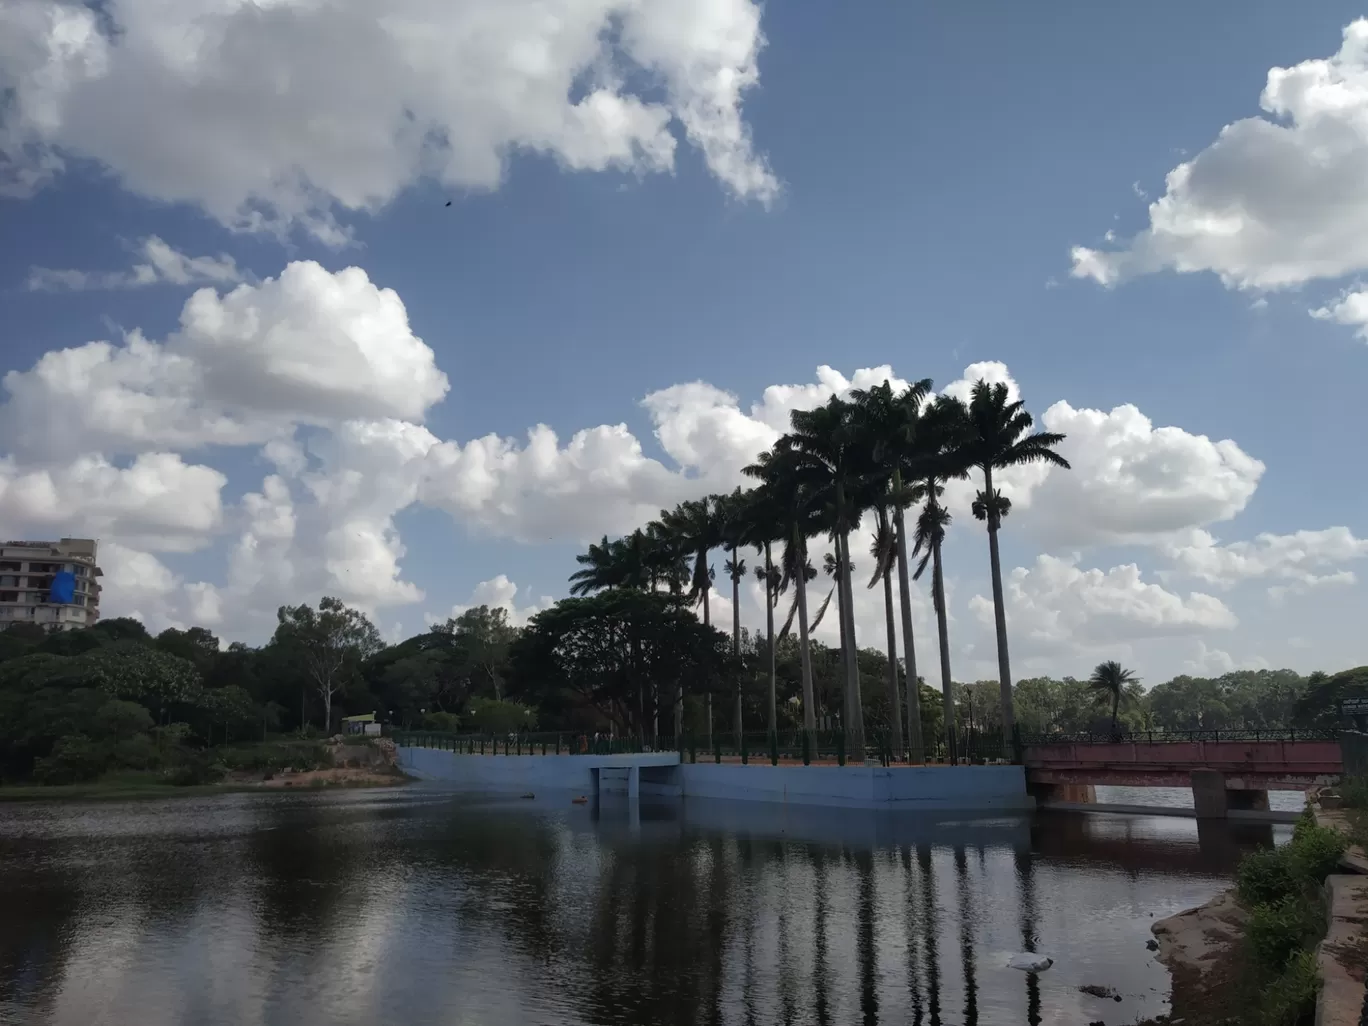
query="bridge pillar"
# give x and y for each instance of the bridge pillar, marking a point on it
(1079, 794)
(634, 783)
(1247, 800)
(1209, 794)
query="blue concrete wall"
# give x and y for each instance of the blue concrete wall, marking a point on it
(924, 788)
(919, 788)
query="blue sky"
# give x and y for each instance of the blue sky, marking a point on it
(923, 173)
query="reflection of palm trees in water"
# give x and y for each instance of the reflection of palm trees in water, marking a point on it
(913, 925)
(869, 994)
(787, 999)
(819, 942)
(967, 939)
(1025, 871)
(932, 925)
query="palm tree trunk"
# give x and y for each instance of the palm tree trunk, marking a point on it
(769, 632)
(1116, 705)
(916, 750)
(855, 722)
(999, 612)
(736, 639)
(943, 636)
(894, 705)
(707, 622)
(804, 650)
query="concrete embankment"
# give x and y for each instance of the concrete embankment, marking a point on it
(1343, 955)
(917, 788)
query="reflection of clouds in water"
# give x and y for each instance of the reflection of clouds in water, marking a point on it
(1181, 797)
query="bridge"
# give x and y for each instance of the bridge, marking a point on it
(1227, 770)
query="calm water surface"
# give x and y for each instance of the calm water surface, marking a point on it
(417, 906)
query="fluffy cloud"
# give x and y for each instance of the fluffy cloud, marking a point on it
(255, 111)
(1134, 482)
(1274, 201)
(1350, 308)
(1054, 606)
(157, 501)
(162, 264)
(1297, 561)
(601, 480)
(497, 593)
(309, 346)
(139, 585)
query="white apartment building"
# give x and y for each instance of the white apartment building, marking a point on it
(27, 573)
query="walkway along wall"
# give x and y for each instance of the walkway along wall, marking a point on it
(921, 788)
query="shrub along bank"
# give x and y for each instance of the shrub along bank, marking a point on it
(1283, 891)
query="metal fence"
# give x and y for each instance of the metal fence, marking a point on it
(792, 746)
(1175, 736)
(1354, 753)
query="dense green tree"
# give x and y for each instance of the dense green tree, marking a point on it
(482, 635)
(598, 659)
(329, 644)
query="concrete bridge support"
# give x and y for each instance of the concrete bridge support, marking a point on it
(1081, 794)
(1213, 800)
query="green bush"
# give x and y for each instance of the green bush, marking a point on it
(442, 722)
(1265, 877)
(1279, 930)
(136, 753)
(1353, 792)
(73, 760)
(272, 758)
(1291, 998)
(196, 768)
(1314, 852)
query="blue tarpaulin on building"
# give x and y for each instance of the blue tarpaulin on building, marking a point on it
(63, 587)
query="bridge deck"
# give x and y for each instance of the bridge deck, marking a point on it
(1247, 765)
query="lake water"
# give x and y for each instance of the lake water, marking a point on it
(416, 906)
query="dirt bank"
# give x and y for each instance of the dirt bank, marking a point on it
(1201, 949)
(337, 777)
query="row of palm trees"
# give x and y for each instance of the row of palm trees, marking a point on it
(880, 452)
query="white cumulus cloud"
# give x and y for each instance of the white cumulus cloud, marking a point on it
(1055, 606)
(256, 112)
(162, 264)
(1297, 561)
(1134, 482)
(309, 346)
(1275, 200)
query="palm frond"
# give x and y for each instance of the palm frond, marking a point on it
(821, 611)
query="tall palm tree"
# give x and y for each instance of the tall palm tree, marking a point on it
(932, 523)
(669, 564)
(890, 421)
(600, 569)
(1109, 680)
(932, 461)
(998, 438)
(825, 445)
(833, 568)
(884, 550)
(696, 529)
(780, 475)
(763, 525)
(731, 514)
